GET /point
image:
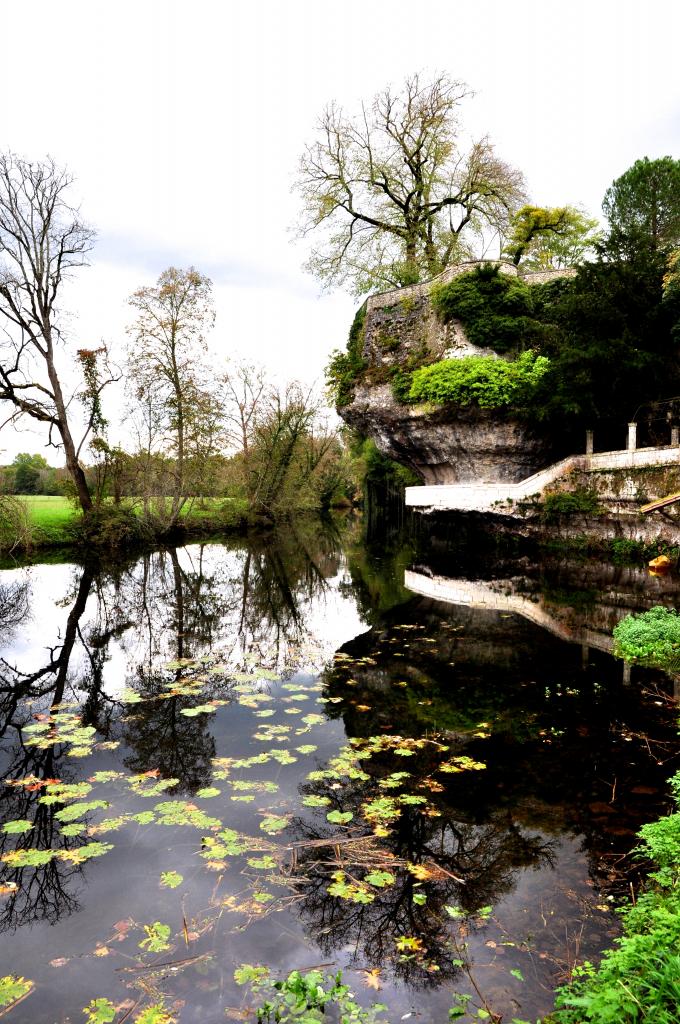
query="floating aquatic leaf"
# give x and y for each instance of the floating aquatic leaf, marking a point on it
(148, 785)
(143, 817)
(181, 812)
(129, 696)
(200, 709)
(381, 879)
(307, 748)
(79, 854)
(420, 898)
(262, 862)
(28, 858)
(77, 810)
(316, 801)
(74, 829)
(339, 817)
(18, 826)
(263, 897)
(107, 825)
(13, 988)
(208, 792)
(272, 824)
(314, 719)
(61, 792)
(156, 1014)
(171, 879)
(157, 936)
(345, 890)
(371, 979)
(105, 776)
(409, 944)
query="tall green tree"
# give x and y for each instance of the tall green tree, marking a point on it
(394, 194)
(644, 203)
(27, 470)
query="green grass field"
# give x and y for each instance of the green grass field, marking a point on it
(51, 517)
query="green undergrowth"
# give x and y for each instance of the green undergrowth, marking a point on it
(53, 521)
(639, 979)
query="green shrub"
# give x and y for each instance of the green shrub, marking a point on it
(639, 979)
(15, 524)
(480, 380)
(495, 309)
(112, 526)
(652, 637)
(346, 368)
(563, 504)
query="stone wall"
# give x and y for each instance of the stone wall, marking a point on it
(401, 323)
(622, 479)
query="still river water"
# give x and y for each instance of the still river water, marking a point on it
(176, 731)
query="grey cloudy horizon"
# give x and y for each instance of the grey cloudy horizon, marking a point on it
(182, 124)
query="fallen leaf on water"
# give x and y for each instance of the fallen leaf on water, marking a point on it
(102, 951)
(371, 979)
(59, 961)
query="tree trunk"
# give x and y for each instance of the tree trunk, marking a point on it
(73, 466)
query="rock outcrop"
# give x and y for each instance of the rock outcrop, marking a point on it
(445, 446)
(442, 444)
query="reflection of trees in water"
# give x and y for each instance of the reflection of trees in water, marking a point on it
(14, 607)
(41, 893)
(463, 864)
(249, 604)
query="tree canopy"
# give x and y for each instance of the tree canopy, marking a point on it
(644, 203)
(550, 238)
(392, 192)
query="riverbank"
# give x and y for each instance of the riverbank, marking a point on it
(50, 521)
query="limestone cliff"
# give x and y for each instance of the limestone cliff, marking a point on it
(441, 444)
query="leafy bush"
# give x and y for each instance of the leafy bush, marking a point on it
(15, 524)
(345, 368)
(652, 637)
(495, 309)
(480, 380)
(113, 526)
(562, 504)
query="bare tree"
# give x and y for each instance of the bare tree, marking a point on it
(42, 240)
(244, 391)
(165, 363)
(394, 194)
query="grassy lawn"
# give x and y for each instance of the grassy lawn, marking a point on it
(50, 517)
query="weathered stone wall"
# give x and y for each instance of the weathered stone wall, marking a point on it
(402, 323)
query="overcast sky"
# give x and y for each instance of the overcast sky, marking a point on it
(183, 123)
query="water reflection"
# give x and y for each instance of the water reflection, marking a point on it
(574, 761)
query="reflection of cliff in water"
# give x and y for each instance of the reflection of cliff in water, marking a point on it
(569, 748)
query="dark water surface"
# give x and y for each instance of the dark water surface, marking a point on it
(484, 759)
